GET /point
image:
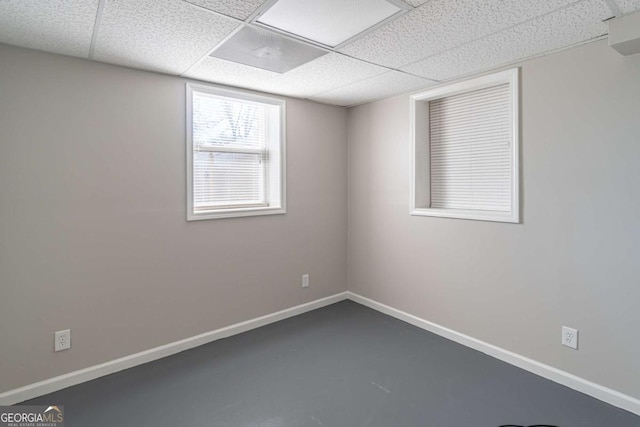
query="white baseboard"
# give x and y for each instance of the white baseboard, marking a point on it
(574, 382)
(32, 391)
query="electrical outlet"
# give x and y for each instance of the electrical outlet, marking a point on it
(63, 340)
(305, 280)
(570, 337)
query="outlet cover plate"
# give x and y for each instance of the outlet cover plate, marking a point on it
(305, 280)
(63, 340)
(570, 337)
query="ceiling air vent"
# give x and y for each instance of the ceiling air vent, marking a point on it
(265, 49)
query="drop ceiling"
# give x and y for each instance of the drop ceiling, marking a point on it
(432, 41)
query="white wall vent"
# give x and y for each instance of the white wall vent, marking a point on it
(624, 34)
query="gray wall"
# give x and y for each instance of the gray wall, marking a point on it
(93, 235)
(575, 259)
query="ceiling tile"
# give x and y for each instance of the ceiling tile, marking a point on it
(374, 88)
(325, 73)
(230, 73)
(328, 22)
(321, 75)
(628, 6)
(50, 25)
(240, 9)
(159, 35)
(578, 23)
(440, 25)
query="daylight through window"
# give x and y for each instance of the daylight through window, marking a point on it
(235, 154)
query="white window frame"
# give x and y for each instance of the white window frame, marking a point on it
(278, 150)
(420, 162)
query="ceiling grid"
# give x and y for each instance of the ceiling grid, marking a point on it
(504, 38)
(429, 42)
(96, 28)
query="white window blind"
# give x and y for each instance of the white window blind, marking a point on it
(470, 137)
(465, 145)
(235, 153)
(229, 152)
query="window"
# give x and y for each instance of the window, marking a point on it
(465, 150)
(235, 153)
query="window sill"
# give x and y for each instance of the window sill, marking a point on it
(235, 212)
(511, 217)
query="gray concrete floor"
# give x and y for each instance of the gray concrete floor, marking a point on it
(344, 365)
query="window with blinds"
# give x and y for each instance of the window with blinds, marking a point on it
(235, 148)
(465, 150)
